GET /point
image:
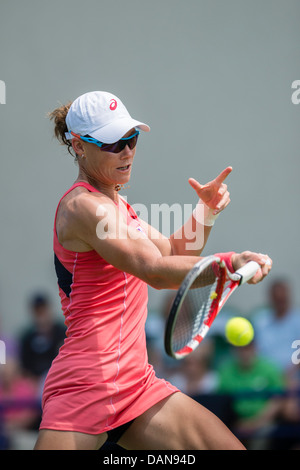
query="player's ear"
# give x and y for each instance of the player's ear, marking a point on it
(77, 146)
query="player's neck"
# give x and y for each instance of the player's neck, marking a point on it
(107, 189)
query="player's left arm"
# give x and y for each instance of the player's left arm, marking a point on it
(213, 198)
(191, 238)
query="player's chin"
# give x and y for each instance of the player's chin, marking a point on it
(122, 178)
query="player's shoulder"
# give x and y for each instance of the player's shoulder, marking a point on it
(81, 203)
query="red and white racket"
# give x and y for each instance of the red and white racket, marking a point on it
(202, 294)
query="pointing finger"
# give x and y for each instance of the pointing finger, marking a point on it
(195, 185)
(223, 175)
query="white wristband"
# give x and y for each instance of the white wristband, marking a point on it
(204, 214)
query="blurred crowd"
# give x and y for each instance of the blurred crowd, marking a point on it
(254, 389)
(28, 357)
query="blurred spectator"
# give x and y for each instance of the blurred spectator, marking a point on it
(248, 372)
(291, 410)
(10, 342)
(39, 344)
(277, 326)
(19, 400)
(8, 348)
(196, 376)
(222, 349)
(289, 430)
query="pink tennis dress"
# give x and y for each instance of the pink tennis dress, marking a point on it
(101, 378)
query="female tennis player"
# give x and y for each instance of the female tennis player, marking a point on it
(100, 385)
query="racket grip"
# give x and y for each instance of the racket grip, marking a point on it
(247, 271)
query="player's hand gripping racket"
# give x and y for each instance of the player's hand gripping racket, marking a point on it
(198, 301)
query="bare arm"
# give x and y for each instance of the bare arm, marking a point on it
(191, 238)
(100, 226)
(213, 199)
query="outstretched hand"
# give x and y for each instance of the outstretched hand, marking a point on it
(214, 193)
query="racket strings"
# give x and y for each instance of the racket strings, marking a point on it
(196, 308)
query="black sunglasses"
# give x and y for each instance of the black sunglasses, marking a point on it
(116, 147)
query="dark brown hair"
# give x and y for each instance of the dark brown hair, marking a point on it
(60, 127)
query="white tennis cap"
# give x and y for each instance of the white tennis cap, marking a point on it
(102, 116)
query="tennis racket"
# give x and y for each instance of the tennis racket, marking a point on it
(202, 294)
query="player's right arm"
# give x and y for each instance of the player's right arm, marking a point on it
(97, 224)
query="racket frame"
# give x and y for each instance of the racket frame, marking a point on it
(237, 278)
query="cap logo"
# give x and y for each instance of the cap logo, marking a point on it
(113, 105)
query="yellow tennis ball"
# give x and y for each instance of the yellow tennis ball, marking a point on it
(239, 331)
